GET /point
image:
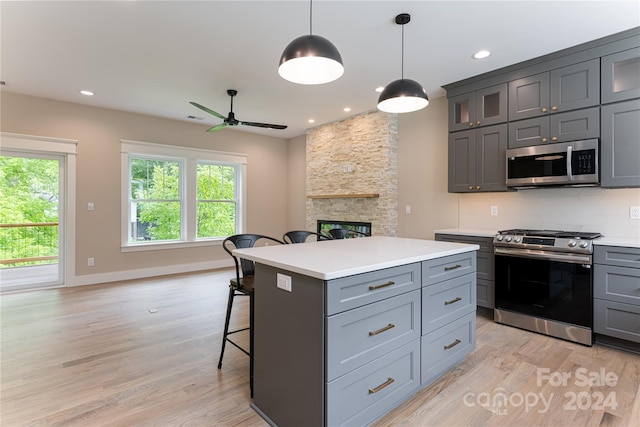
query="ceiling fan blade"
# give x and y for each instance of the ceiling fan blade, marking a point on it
(218, 127)
(263, 125)
(208, 110)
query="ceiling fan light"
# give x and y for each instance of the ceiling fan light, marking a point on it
(403, 96)
(310, 60)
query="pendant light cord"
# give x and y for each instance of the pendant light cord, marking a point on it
(402, 55)
(310, 17)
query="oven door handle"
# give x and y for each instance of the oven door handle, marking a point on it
(555, 256)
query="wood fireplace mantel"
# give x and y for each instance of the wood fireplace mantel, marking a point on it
(345, 196)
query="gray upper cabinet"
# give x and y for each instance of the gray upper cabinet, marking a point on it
(620, 145)
(562, 127)
(477, 160)
(483, 107)
(564, 89)
(621, 76)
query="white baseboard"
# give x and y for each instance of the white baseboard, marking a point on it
(93, 279)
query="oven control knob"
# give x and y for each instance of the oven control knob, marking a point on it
(572, 243)
(499, 237)
(507, 239)
(584, 244)
(517, 240)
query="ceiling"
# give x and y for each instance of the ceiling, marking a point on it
(153, 57)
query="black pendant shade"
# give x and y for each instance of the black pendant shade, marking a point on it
(310, 59)
(404, 95)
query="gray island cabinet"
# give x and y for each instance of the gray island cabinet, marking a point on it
(346, 330)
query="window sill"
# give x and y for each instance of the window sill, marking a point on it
(158, 246)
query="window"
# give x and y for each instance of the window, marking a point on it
(177, 196)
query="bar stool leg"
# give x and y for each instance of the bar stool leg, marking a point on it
(226, 324)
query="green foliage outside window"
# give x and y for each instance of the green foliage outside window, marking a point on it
(29, 194)
(216, 210)
(155, 192)
(156, 196)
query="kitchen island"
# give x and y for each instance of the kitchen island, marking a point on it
(345, 330)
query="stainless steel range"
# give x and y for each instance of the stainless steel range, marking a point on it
(544, 282)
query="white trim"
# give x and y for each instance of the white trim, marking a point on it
(135, 147)
(116, 276)
(14, 142)
(17, 141)
(188, 158)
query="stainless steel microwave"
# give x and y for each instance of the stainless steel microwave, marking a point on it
(567, 164)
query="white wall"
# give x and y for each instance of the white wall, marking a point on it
(576, 209)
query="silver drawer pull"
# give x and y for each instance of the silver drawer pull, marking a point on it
(453, 301)
(452, 268)
(453, 344)
(384, 285)
(379, 331)
(381, 386)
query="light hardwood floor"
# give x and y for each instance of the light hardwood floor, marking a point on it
(144, 353)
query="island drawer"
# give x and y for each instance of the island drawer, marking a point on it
(368, 392)
(444, 302)
(617, 255)
(358, 336)
(355, 291)
(445, 268)
(616, 319)
(619, 284)
(447, 346)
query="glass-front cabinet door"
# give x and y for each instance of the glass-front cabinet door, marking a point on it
(621, 76)
(483, 107)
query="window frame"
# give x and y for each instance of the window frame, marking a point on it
(188, 159)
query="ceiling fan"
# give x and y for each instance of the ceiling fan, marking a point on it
(231, 119)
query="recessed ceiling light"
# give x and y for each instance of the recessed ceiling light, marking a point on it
(311, 121)
(481, 54)
(347, 109)
(379, 89)
(86, 92)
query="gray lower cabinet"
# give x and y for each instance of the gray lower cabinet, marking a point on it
(346, 351)
(562, 127)
(448, 313)
(616, 289)
(477, 160)
(620, 145)
(485, 272)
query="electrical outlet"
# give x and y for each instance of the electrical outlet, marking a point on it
(90, 262)
(284, 282)
(494, 210)
(90, 206)
(634, 212)
(407, 209)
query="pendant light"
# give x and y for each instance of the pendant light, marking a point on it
(310, 59)
(404, 95)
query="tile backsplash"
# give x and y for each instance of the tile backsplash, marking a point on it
(589, 209)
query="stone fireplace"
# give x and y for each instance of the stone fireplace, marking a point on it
(352, 172)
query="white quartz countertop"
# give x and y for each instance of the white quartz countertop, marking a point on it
(467, 232)
(333, 259)
(618, 241)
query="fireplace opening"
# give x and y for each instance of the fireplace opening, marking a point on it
(324, 225)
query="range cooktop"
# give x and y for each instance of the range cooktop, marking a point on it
(547, 240)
